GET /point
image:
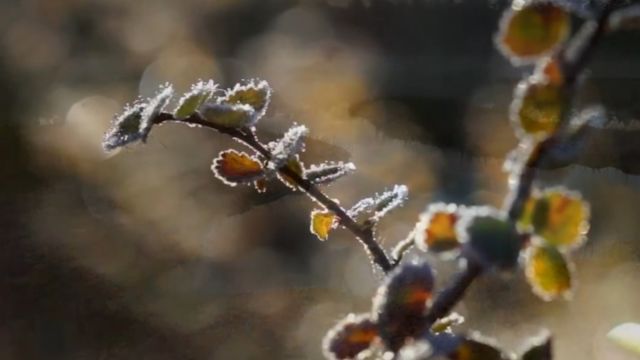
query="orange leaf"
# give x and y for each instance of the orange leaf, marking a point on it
(436, 229)
(233, 167)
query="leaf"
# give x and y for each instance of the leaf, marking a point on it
(297, 167)
(328, 172)
(322, 222)
(436, 231)
(233, 167)
(627, 336)
(531, 30)
(260, 185)
(125, 129)
(539, 348)
(380, 204)
(537, 107)
(489, 238)
(190, 102)
(548, 272)
(154, 106)
(558, 216)
(290, 145)
(401, 302)
(465, 347)
(255, 93)
(350, 337)
(232, 116)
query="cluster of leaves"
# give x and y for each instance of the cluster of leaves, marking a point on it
(536, 232)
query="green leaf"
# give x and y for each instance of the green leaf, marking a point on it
(489, 238)
(191, 101)
(232, 116)
(254, 93)
(537, 107)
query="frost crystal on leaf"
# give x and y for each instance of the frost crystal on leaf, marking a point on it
(154, 106)
(380, 204)
(126, 128)
(328, 172)
(291, 144)
(227, 115)
(190, 102)
(233, 167)
(390, 200)
(255, 93)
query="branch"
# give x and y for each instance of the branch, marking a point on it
(363, 233)
(453, 294)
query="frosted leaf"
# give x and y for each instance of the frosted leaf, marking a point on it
(328, 172)
(291, 144)
(322, 222)
(627, 336)
(390, 200)
(154, 106)
(190, 102)
(227, 115)
(294, 164)
(255, 93)
(126, 128)
(233, 167)
(380, 204)
(436, 230)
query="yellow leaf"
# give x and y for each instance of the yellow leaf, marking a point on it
(561, 218)
(436, 229)
(548, 272)
(322, 222)
(233, 167)
(533, 30)
(537, 107)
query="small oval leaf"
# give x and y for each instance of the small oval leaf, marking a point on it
(233, 167)
(537, 107)
(191, 101)
(322, 222)
(255, 93)
(626, 336)
(233, 116)
(548, 272)
(532, 30)
(436, 230)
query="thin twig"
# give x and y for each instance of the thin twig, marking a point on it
(362, 232)
(451, 296)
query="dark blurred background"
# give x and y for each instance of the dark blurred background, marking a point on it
(142, 254)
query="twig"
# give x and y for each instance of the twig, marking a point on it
(362, 232)
(451, 296)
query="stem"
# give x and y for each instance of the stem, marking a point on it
(589, 36)
(362, 232)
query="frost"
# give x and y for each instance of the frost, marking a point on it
(126, 128)
(328, 172)
(154, 106)
(380, 204)
(255, 93)
(227, 115)
(191, 101)
(291, 144)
